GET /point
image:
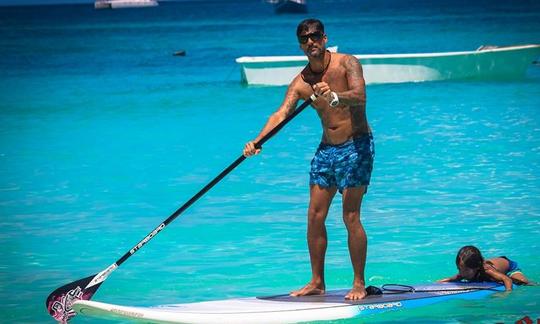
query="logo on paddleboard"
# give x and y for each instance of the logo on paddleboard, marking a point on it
(452, 291)
(379, 306)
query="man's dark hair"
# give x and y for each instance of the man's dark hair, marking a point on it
(306, 23)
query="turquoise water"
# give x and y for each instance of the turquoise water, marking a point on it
(104, 134)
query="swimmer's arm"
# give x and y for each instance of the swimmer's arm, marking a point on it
(500, 277)
(356, 95)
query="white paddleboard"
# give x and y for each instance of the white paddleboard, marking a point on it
(286, 309)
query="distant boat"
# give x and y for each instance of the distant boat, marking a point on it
(289, 6)
(117, 4)
(487, 62)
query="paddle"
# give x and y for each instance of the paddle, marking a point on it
(59, 303)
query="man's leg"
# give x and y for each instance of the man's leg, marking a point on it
(319, 202)
(352, 202)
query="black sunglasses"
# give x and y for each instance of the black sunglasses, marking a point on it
(315, 36)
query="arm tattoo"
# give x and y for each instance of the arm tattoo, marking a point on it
(286, 108)
(356, 94)
(354, 69)
(289, 104)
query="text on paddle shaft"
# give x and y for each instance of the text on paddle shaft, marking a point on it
(147, 238)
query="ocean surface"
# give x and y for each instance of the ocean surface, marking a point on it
(104, 133)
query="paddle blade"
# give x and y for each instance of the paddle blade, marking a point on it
(60, 302)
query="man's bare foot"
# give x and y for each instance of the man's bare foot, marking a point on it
(356, 293)
(309, 289)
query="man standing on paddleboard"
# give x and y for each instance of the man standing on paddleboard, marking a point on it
(344, 159)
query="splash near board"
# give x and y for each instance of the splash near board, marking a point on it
(287, 309)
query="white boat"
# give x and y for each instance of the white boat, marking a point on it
(487, 62)
(118, 4)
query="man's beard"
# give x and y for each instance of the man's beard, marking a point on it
(315, 52)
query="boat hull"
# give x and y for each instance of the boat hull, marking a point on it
(120, 4)
(492, 63)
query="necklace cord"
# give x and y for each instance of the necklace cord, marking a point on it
(317, 73)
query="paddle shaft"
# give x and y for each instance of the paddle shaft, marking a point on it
(213, 182)
(59, 302)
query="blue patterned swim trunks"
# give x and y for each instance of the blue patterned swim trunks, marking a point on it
(345, 165)
(513, 267)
